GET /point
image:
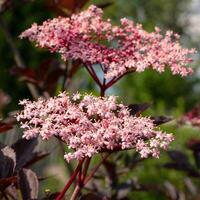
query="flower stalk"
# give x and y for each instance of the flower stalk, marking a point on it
(70, 181)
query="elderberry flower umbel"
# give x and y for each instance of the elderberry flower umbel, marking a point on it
(118, 49)
(90, 125)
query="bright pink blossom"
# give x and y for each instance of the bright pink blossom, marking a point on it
(118, 49)
(89, 125)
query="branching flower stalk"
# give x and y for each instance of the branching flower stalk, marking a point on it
(87, 124)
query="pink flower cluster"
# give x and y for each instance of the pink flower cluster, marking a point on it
(89, 125)
(119, 49)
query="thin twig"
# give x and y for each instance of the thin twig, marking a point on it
(93, 74)
(114, 80)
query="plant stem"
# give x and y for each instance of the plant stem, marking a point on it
(75, 193)
(114, 80)
(87, 179)
(102, 92)
(81, 179)
(84, 181)
(87, 163)
(73, 176)
(93, 74)
(65, 77)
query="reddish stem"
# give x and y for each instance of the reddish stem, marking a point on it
(75, 193)
(102, 91)
(87, 179)
(114, 80)
(80, 176)
(93, 74)
(73, 176)
(86, 166)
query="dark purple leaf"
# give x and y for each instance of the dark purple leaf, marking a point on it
(5, 182)
(37, 157)
(29, 184)
(71, 5)
(45, 77)
(161, 120)
(180, 159)
(194, 145)
(7, 162)
(197, 158)
(181, 162)
(173, 165)
(191, 172)
(138, 108)
(27, 74)
(4, 5)
(24, 151)
(105, 5)
(48, 74)
(5, 127)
